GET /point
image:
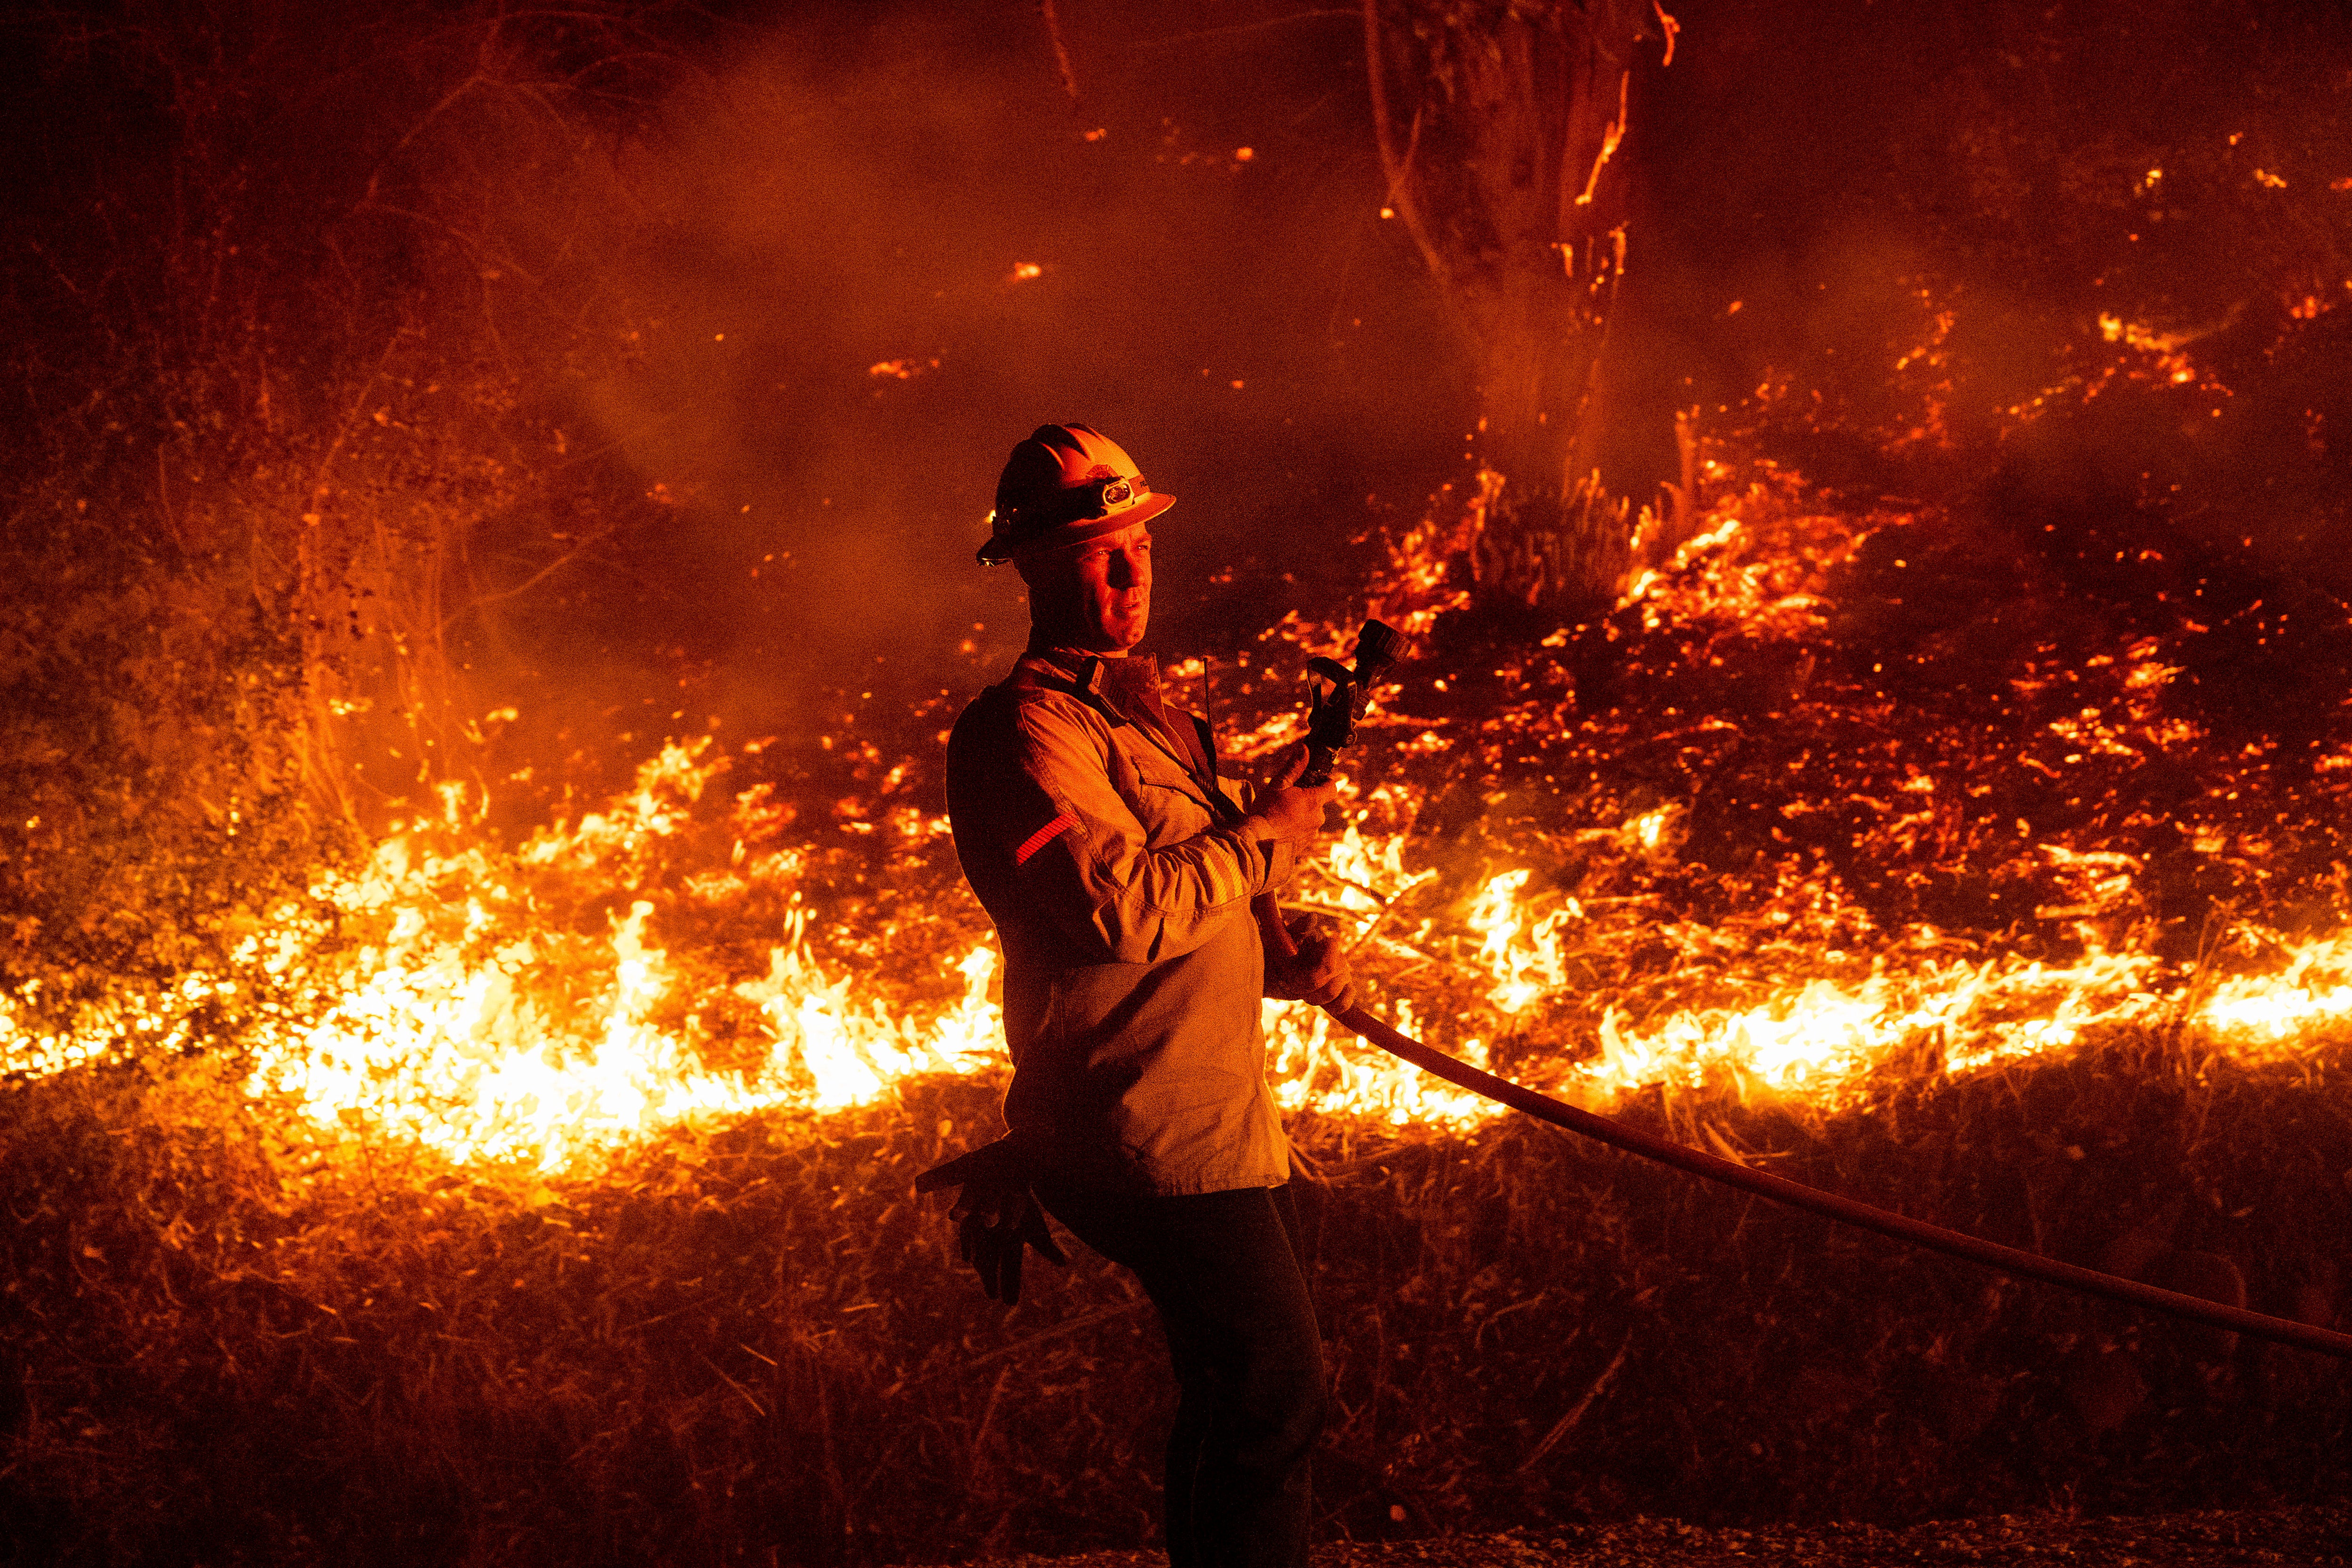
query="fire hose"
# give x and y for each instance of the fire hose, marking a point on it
(1331, 726)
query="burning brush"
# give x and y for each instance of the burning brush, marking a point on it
(1630, 862)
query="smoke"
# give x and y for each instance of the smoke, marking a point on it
(1825, 182)
(851, 264)
(758, 322)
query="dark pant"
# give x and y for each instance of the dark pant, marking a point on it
(1226, 1271)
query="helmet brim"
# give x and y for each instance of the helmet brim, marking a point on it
(997, 550)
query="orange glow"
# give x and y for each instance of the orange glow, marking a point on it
(435, 996)
(2164, 347)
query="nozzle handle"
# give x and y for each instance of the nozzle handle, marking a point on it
(1333, 721)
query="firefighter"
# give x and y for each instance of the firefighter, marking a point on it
(1118, 867)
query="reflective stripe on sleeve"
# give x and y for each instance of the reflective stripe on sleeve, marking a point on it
(1042, 837)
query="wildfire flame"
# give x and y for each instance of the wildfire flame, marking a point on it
(428, 998)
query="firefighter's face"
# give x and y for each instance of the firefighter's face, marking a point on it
(1096, 595)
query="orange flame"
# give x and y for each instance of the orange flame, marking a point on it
(429, 998)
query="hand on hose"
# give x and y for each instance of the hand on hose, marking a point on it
(996, 1217)
(1284, 810)
(1318, 975)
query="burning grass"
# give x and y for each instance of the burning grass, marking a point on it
(1742, 830)
(552, 1199)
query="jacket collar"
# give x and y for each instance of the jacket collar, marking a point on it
(1124, 689)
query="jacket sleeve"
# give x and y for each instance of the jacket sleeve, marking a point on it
(1089, 867)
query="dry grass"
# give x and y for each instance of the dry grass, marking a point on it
(748, 1345)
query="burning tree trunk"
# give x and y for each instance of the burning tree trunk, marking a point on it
(1503, 171)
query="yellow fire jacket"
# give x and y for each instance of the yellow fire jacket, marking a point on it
(1119, 871)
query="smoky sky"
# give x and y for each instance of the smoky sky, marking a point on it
(796, 305)
(880, 253)
(843, 193)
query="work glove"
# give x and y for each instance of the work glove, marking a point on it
(997, 1217)
(1318, 975)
